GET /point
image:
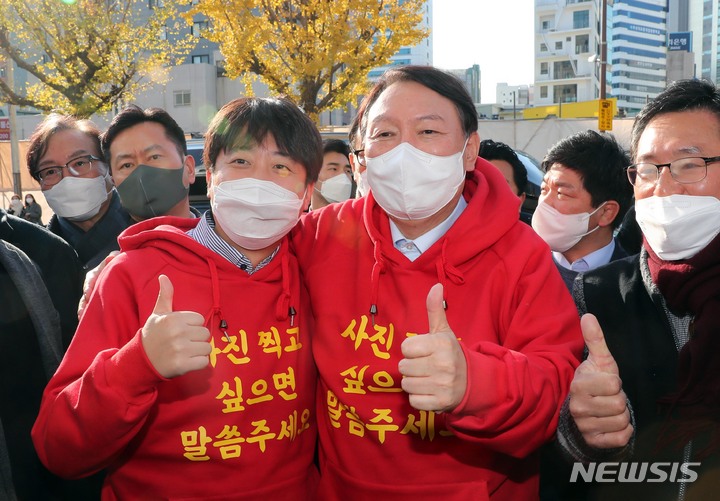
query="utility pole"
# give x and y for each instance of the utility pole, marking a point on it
(605, 110)
(603, 47)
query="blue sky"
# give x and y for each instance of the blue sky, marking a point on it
(495, 34)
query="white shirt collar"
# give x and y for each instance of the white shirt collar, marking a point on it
(591, 261)
(424, 242)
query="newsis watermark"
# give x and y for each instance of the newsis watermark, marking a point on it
(629, 472)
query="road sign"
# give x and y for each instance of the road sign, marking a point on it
(605, 114)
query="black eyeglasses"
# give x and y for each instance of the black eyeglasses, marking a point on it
(360, 155)
(683, 170)
(79, 166)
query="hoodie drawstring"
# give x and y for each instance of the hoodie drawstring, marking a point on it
(446, 271)
(284, 307)
(377, 269)
(216, 312)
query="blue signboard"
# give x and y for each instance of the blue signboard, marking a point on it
(681, 40)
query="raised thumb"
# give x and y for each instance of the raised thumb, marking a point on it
(598, 351)
(437, 321)
(164, 305)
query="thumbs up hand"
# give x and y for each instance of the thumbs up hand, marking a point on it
(434, 368)
(175, 342)
(597, 402)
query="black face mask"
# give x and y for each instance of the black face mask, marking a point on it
(152, 191)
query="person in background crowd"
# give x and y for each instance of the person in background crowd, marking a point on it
(583, 198)
(143, 149)
(443, 368)
(170, 385)
(32, 211)
(506, 160)
(16, 206)
(149, 163)
(64, 157)
(629, 234)
(335, 179)
(648, 393)
(40, 279)
(356, 151)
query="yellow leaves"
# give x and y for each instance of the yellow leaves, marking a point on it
(85, 55)
(316, 51)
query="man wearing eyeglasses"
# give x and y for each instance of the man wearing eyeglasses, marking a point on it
(648, 392)
(64, 157)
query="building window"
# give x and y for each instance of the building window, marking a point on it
(198, 27)
(544, 68)
(155, 4)
(543, 47)
(220, 68)
(201, 59)
(543, 91)
(582, 44)
(181, 97)
(163, 33)
(558, 45)
(563, 70)
(581, 19)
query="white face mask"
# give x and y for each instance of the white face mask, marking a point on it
(411, 184)
(77, 198)
(678, 226)
(561, 231)
(361, 182)
(337, 188)
(254, 213)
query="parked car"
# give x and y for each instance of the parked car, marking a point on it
(198, 190)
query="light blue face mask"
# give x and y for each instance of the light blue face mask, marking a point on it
(152, 191)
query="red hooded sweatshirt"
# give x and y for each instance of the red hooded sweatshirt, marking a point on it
(242, 428)
(513, 317)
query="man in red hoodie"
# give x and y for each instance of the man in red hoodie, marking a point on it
(443, 368)
(191, 375)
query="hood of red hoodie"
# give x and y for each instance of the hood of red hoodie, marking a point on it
(491, 212)
(168, 234)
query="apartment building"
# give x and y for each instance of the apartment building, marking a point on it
(568, 56)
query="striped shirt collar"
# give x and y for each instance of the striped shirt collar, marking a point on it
(204, 234)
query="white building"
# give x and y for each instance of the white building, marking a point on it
(565, 41)
(567, 50)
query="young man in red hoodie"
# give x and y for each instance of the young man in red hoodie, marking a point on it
(443, 368)
(191, 375)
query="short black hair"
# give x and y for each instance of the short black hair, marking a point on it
(495, 150)
(134, 115)
(336, 146)
(445, 84)
(253, 118)
(600, 161)
(681, 95)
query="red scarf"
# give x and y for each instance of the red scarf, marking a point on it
(693, 286)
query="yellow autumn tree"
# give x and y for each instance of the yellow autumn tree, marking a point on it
(318, 52)
(82, 56)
